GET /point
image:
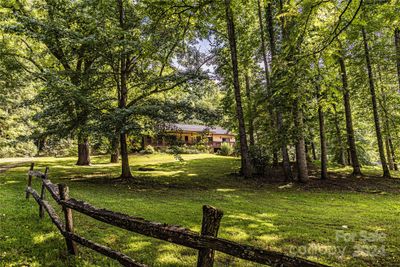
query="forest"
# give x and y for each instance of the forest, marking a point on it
(309, 88)
(292, 79)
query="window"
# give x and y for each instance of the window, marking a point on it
(225, 140)
(186, 138)
(210, 139)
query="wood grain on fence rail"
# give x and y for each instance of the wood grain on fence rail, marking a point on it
(36, 173)
(43, 193)
(69, 222)
(50, 210)
(106, 251)
(29, 179)
(207, 242)
(182, 236)
(209, 226)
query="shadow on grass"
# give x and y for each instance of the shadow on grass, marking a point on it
(256, 213)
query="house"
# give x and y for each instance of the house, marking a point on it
(179, 134)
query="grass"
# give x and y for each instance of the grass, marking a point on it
(290, 219)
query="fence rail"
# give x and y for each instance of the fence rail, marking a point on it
(205, 242)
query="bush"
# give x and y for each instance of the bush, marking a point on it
(185, 150)
(60, 148)
(7, 152)
(22, 149)
(260, 158)
(202, 148)
(226, 150)
(25, 149)
(149, 150)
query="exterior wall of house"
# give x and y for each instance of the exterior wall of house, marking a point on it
(190, 138)
(221, 137)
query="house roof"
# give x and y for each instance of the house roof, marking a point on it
(198, 128)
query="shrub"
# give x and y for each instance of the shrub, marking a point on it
(7, 152)
(202, 148)
(21, 149)
(186, 149)
(25, 149)
(149, 150)
(260, 158)
(176, 151)
(226, 150)
(60, 148)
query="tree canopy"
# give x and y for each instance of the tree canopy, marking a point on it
(297, 81)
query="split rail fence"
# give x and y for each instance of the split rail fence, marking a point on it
(205, 242)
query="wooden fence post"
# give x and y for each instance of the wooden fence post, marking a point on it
(69, 224)
(209, 227)
(43, 193)
(30, 179)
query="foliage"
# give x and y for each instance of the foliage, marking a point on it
(260, 158)
(226, 149)
(21, 149)
(61, 76)
(59, 147)
(184, 149)
(148, 150)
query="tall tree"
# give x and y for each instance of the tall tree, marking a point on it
(349, 120)
(69, 73)
(138, 57)
(244, 150)
(267, 76)
(386, 172)
(341, 150)
(250, 110)
(291, 48)
(122, 87)
(322, 135)
(279, 117)
(397, 47)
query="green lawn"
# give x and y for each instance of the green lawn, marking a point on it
(261, 214)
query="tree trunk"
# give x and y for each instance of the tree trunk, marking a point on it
(324, 153)
(388, 154)
(123, 97)
(349, 121)
(313, 150)
(250, 111)
(279, 118)
(126, 170)
(321, 119)
(83, 150)
(114, 149)
(263, 46)
(308, 156)
(393, 154)
(301, 157)
(342, 152)
(314, 153)
(267, 79)
(386, 172)
(349, 157)
(244, 150)
(287, 169)
(397, 46)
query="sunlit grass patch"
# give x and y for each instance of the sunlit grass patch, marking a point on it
(174, 193)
